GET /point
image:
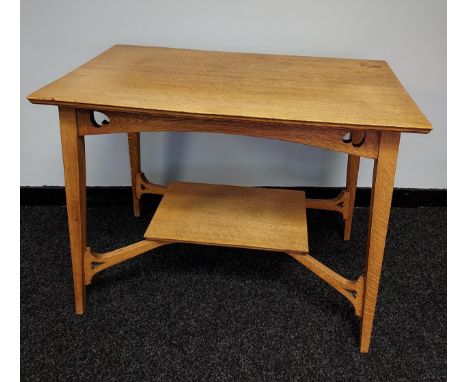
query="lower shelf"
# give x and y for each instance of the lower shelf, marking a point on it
(233, 216)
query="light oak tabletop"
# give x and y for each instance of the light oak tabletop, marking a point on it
(309, 90)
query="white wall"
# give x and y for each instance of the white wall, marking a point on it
(59, 35)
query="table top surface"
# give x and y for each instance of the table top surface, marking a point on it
(309, 90)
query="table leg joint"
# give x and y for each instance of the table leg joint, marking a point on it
(339, 204)
(144, 186)
(97, 262)
(352, 290)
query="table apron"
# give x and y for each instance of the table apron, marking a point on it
(330, 138)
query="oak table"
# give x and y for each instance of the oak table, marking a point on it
(352, 106)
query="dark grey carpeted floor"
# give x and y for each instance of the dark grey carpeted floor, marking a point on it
(196, 313)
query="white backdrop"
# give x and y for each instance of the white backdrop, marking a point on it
(59, 35)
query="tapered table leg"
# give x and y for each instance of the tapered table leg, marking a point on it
(381, 200)
(73, 153)
(351, 184)
(135, 168)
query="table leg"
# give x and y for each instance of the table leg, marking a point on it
(74, 165)
(381, 200)
(351, 183)
(135, 168)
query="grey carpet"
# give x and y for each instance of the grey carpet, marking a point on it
(197, 313)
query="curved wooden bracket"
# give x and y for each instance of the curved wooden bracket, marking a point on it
(97, 262)
(144, 186)
(339, 204)
(353, 290)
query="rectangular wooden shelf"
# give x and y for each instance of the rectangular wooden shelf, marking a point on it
(267, 219)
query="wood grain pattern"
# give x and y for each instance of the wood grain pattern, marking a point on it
(312, 101)
(338, 204)
(74, 166)
(327, 138)
(381, 201)
(135, 169)
(341, 92)
(352, 172)
(232, 216)
(144, 186)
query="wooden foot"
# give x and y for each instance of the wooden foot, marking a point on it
(73, 151)
(135, 168)
(381, 200)
(351, 184)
